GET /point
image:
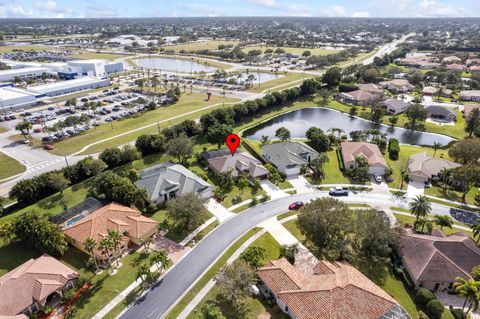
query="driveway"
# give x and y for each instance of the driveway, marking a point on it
(272, 190)
(415, 188)
(456, 302)
(218, 210)
(181, 277)
(301, 185)
(379, 188)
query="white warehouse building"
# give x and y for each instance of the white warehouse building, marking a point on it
(93, 67)
(70, 86)
(11, 97)
(28, 72)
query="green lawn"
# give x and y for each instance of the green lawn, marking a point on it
(453, 195)
(187, 103)
(11, 48)
(95, 55)
(291, 50)
(211, 45)
(9, 167)
(254, 307)
(281, 83)
(187, 298)
(402, 162)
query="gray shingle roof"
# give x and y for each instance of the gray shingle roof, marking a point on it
(289, 154)
(438, 110)
(167, 177)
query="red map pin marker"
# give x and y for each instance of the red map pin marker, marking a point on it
(232, 141)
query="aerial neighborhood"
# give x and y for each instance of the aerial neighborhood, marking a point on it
(239, 167)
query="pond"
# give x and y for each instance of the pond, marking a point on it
(173, 65)
(299, 121)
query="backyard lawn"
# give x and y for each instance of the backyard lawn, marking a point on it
(187, 103)
(9, 167)
(254, 307)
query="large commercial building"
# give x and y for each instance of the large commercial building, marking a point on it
(13, 97)
(27, 72)
(71, 86)
(94, 67)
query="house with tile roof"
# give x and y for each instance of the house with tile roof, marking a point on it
(434, 261)
(129, 222)
(357, 97)
(239, 163)
(327, 290)
(395, 106)
(441, 114)
(288, 157)
(470, 95)
(167, 180)
(423, 167)
(351, 150)
(468, 108)
(29, 287)
(397, 86)
(372, 88)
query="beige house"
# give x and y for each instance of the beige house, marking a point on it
(128, 221)
(397, 86)
(29, 287)
(434, 261)
(312, 289)
(423, 166)
(351, 150)
(470, 95)
(358, 97)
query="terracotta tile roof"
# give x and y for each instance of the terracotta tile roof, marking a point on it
(32, 281)
(332, 290)
(467, 108)
(422, 164)
(436, 258)
(351, 150)
(111, 217)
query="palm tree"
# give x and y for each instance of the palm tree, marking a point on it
(146, 243)
(436, 146)
(421, 222)
(116, 239)
(160, 259)
(420, 207)
(345, 249)
(89, 244)
(469, 289)
(106, 245)
(444, 221)
(476, 230)
(6, 232)
(317, 164)
(404, 174)
(143, 273)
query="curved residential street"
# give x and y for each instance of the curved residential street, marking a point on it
(179, 279)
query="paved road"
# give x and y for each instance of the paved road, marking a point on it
(178, 280)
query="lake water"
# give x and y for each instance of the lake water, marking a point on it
(173, 65)
(299, 121)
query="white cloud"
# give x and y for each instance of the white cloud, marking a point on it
(101, 11)
(415, 8)
(361, 14)
(264, 3)
(333, 11)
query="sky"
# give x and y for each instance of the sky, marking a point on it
(212, 8)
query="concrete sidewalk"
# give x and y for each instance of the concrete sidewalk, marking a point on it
(272, 190)
(218, 210)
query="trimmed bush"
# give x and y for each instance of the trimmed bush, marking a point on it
(393, 149)
(457, 313)
(423, 296)
(434, 309)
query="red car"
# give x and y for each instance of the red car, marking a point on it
(48, 147)
(296, 205)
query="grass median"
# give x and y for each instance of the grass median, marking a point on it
(9, 167)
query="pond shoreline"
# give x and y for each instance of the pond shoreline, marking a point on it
(253, 130)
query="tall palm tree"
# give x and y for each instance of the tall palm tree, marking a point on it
(89, 244)
(6, 232)
(436, 146)
(476, 230)
(404, 174)
(444, 221)
(318, 163)
(143, 273)
(106, 246)
(116, 239)
(146, 243)
(469, 289)
(420, 206)
(345, 249)
(160, 259)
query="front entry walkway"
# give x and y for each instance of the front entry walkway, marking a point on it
(272, 190)
(415, 188)
(218, 210)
